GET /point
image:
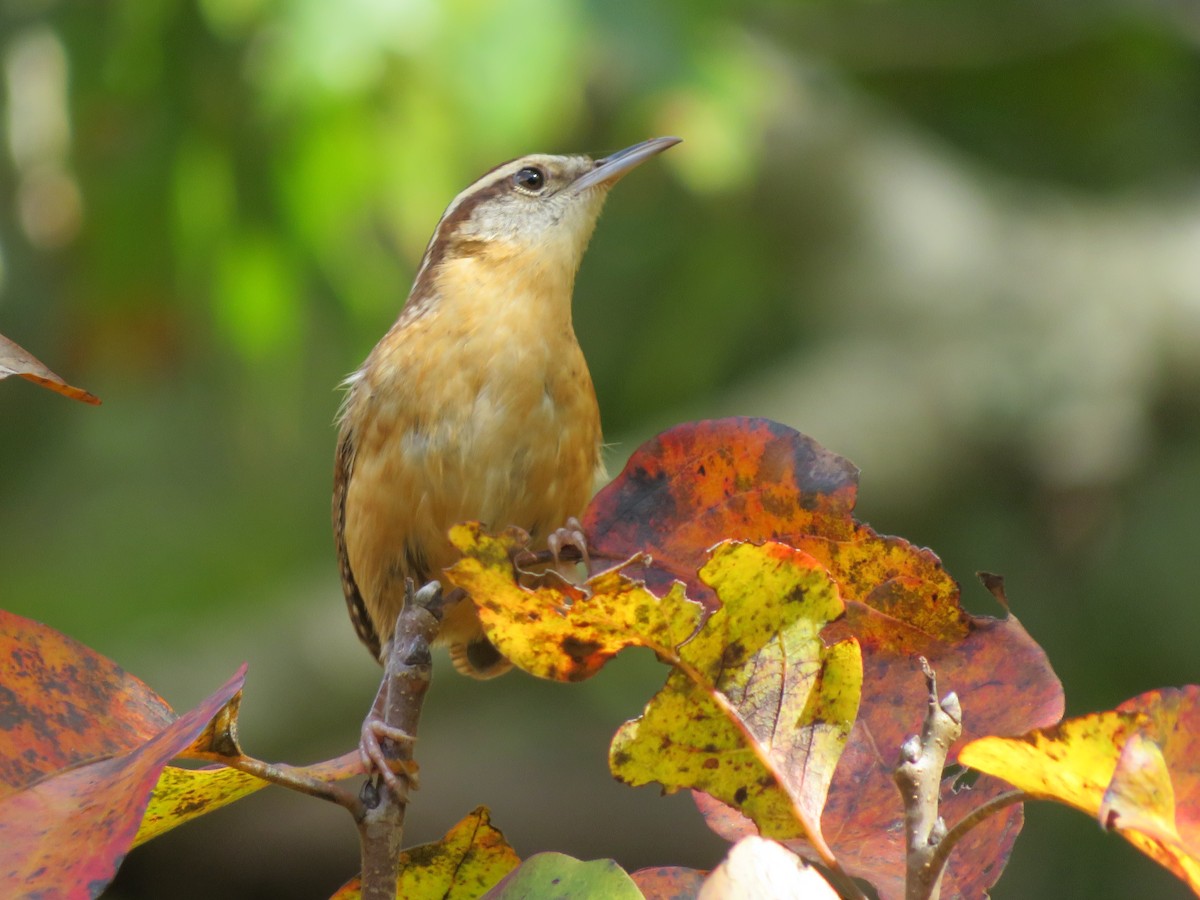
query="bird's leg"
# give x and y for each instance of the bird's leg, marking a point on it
(402, 664)
(376, 730)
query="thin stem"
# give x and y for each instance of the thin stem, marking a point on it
(941, 853)
(299, 779)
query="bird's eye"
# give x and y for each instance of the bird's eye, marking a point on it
(530, 179)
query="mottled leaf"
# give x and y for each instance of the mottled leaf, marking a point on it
(1136, 768)
(16, 360)
(68, 833)
(469, 860)
(562, 631)
(62, 703)
(704, 482)
(754, 480)
(758, 708)
(185, 794)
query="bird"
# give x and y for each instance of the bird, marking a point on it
(477, 404)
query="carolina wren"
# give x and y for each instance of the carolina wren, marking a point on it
(477, 404)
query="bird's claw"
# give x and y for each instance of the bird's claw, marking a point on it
(376, 761)
(570, 537)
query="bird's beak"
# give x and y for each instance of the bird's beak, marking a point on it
(611, 168)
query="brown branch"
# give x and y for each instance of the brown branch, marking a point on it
(394, 717)
(298, 779)
(918, 775)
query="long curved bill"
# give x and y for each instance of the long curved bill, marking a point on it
(611, 168)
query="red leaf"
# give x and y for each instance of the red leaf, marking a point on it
(62, 703)
(700, 483)
(67, 834)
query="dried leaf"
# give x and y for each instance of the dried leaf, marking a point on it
(67, 834)
(1136, 768)
(62, 704)
(466, 863)
(16, 360)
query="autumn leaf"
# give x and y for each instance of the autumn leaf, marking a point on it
(182, 795)
(16, 360)
(466, 863)
(68, 832)
(756, 689)
(755, 480)
(185, 794)
(669, 882)
(64, 704)
(1135, 768)
(757, 707)
(560, 631)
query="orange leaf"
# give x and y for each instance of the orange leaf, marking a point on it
(755, 480)
(16, 360)
(67, 834)
(1136, 768)
(704, 482)
(65, 704)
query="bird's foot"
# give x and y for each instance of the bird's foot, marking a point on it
(377, 760)
(568, 544)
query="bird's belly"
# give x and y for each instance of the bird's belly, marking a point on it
(518, 447)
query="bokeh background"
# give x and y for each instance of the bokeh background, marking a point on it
(957, 243)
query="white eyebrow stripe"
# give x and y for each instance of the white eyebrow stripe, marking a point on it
(501, 172)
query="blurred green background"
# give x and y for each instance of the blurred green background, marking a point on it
(957, 243)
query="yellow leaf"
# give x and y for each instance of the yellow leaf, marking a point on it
(758, 709)
(185, 794)
(1072, 762)
(564, 632)
(466, 863)
(1134, 768)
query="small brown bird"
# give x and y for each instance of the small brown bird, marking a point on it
(477, 404)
